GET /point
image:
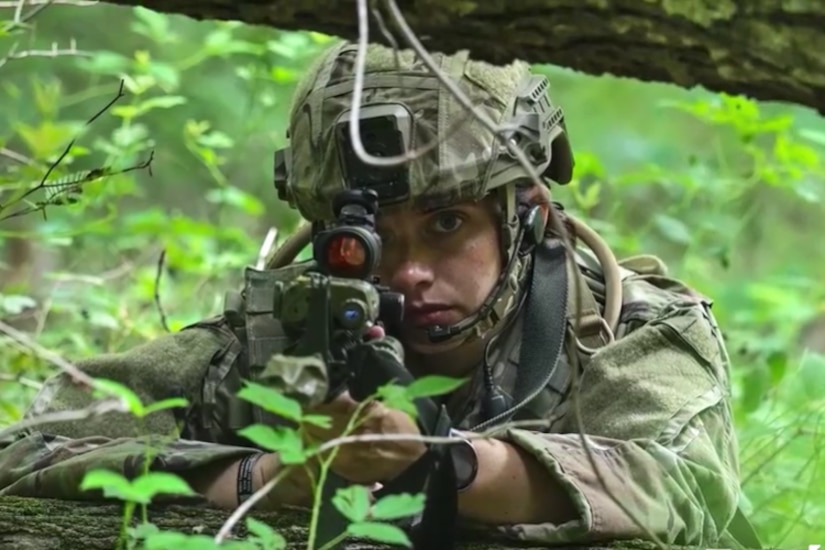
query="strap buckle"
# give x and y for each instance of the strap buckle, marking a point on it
(594, 333)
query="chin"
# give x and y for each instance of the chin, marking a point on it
(417, 341)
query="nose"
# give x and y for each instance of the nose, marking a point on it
(410, 274)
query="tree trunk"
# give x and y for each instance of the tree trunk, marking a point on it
(29, 524)
(769, 50)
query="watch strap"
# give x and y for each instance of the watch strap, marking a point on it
(465, 461)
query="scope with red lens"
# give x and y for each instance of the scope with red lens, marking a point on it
(350, 252)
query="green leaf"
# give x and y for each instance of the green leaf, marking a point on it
(157, 23)
(104, 62)
(284, 441)
(170, 403)
(397, 506)
(673, 229)
(777, 366)
(271, 400)
(427, 386)
(110, 387)
(380, 532)
(814, 135)
(353, 502)
(166, 75)
(319, 420)
(219, 140)
(15, 303)
(143, 530)
(235, 197)
(811, 376)
(104, 320)
(395, 397)
(271, 540)
(113, 484)
(160, 102)
(181, 541)
(154, 483)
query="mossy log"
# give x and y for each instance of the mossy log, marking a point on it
(769, 50)
(41, 524)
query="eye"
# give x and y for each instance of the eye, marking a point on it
(447, 222)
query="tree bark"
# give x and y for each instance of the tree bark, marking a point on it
(767, 49)
(41, 524)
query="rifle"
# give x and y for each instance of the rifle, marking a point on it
(328, 310)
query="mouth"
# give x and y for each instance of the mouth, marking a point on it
(427, 315)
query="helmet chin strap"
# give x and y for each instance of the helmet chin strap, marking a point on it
(516, 250)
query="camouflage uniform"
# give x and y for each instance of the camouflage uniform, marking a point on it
(654, 403)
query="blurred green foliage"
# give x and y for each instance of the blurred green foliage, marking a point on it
(728, 191)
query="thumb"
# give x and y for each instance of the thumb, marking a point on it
(375, 332)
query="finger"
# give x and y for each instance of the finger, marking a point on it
(340, 403)
(374, 333)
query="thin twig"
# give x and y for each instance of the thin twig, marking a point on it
(88, 122)
(77, 376)
(159, 305)
(18, 11)
(247, 505)
(20, 19)
(97, 280)
(65, 152)
(77, 3)
(68, 148)
(266, 247)
(54, 51)
(798, 432)
(71, 186)
(28, 382)
(16, 157)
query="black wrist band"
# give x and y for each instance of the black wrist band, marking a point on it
(245, 469)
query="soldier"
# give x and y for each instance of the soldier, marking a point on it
(468, 242)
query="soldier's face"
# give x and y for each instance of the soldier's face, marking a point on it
(445, 262)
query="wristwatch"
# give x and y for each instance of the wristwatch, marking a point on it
(465, 460)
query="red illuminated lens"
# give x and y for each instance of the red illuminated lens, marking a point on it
(346, 254)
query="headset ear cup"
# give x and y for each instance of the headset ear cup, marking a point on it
(533, 225)
(560, 169)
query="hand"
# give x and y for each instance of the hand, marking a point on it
(369, 462)
(293, 489)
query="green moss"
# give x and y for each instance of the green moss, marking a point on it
(701, 12)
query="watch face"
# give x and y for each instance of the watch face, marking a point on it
(465, 463)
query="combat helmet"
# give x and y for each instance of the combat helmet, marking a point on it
(404, 108)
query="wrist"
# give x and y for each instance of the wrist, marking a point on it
(293, 489)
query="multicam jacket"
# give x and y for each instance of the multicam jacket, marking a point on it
(653, 405)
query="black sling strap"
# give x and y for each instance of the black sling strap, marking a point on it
(545, 323)
(543, 331)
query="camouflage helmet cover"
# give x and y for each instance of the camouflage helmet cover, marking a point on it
(468, 161)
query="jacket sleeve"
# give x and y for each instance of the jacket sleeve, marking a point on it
(50, 461)
(654, 408)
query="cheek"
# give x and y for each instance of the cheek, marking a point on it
(474, 267)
